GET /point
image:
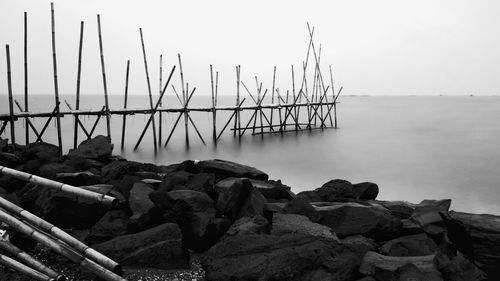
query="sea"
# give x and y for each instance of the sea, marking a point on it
(413, 147)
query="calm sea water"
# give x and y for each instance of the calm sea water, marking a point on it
(414, 148)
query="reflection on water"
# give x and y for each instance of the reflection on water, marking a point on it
(413, 147)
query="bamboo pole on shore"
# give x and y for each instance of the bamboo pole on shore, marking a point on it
(27, 135)
(78, 75)
(56, 86)
(149, 88)
(23, 269)
(124, 122)
(61, 235)
(108, 126)
(11, 105)
(29, 260)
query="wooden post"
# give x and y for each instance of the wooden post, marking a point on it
(27, 136)
(214, 125)
(78, 75)
(56, 87)
(11, 104)
(184, 100)
(125, 105)
(272, 95)
(238, 115)
(160, 113)
(108, 127)
(149, 87)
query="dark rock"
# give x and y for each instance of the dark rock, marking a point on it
(330, 192)
(159, 247)
(400, 209)
(10, 160)
(112, 224)
(249, 225)
(139, 201)
(352, 218)
(484, 231)
(273, 191)
(271, 257)
(232, 193)
(78, 178)
(408, 246)
(116, 170)
(4, 143)
(365, 190)
(291, 223)
(225, 169)
(429, 212)
(43, 151)
(359, 245)
(98, 148)
(174, 181)
(254, 205)
(50, 170)
(80, 164)
(125, 184)
(459, 268)
(187, 166)
(301, 206)
(394, 268)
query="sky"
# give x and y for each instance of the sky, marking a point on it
(384, 47)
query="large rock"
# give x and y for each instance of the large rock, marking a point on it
(290, 223)
(254, 204)
(484, 233)
(400, 209)
(159, 247)
(9, 160)
(114, 223)
(139, 201)
(429, 215)
(365, 190)
(287, 257)
(408, 246)
(359, 245)
(232, 193)
(41, 150)
(79, 178)
(352, 218)
(330, 192)
(458, 268)
(248, 225)
(422, 268)
(273, 191)
(225, 169)
(98, 148)
(301, 206)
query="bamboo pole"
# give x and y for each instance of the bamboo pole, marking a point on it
(79, 122)
(23, 269)
(58, 247)
(101, 198)
(56, 86)
(230, 118)
(11, 105)
(108, 126)
(61, 235)
(149, 88)
(78, 76)
(29, 260)
(238, 114)
(272, 94)
(184, 99)
(214, 112)
(27, 135)
(28, 120)
(54, 113)
(160, 125)
(124, 122)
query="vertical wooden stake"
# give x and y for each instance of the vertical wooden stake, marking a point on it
(79, 71)
(11, 105)
(125, 105)
(149, 88)
(272, 96)
(108, 127)
(238, 115)
(27, 136)
(160, 113)
(214, 131)
(56, 87)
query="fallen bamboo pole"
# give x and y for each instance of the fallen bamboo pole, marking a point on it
(56, 86)
(29, 260)
(78, 75)
(59, 248)
(101, 198)
(61, 235)
(11, 105)
(23, 269)
(108, 126)
(124, 122)
(27, 135)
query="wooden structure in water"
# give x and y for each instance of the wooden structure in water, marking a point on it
(309, 105)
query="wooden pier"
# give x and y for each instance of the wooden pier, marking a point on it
(309, 105)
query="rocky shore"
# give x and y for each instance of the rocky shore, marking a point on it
(219, 220)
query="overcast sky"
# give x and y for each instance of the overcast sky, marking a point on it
(384, 47)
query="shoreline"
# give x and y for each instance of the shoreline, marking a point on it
(227, 214)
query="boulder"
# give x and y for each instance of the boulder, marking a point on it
(41, 150)
(78, 178)
(458, 268)
(330, 192)
(139, 201)
(80, 164)
(10, 160)
(98, 148)
(484, 233)
(254, 205)
(409, 246)
(225, 169)
(365, 190)
(301, 206)
(422, 268)
(174, 181)
(352, 218)
(232, 193)
(50, 170)
(286, 257)
(112, 224)
(248, 225)
(429, 211)
(116, 170)
(158, 247)
(359, 245)
(273, 191)
(291, 223)
(400, 209)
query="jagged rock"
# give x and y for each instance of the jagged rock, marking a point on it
(78, 178)
(352, 218)
(428, 211)
(359, 245)
(182, 180)
(50, 170)
(291, 223)
(232, 193)
(248, 225)
(80, 164)
(125, 184)
(365, 190)
(400, 209)
(329, 192)
(390, 268)
(484, 232)
(116, 170)
(174, 181)
(225, 169)
(10, 160)
(159, 247)
(459, 268)
(4, 143)
(112, 224)
(301, 206)
(409, 246)
(187, 166)
(98, 148)
(139, 201)
(253, 205)
(273, 191)
(270, 257)
(41, 150)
